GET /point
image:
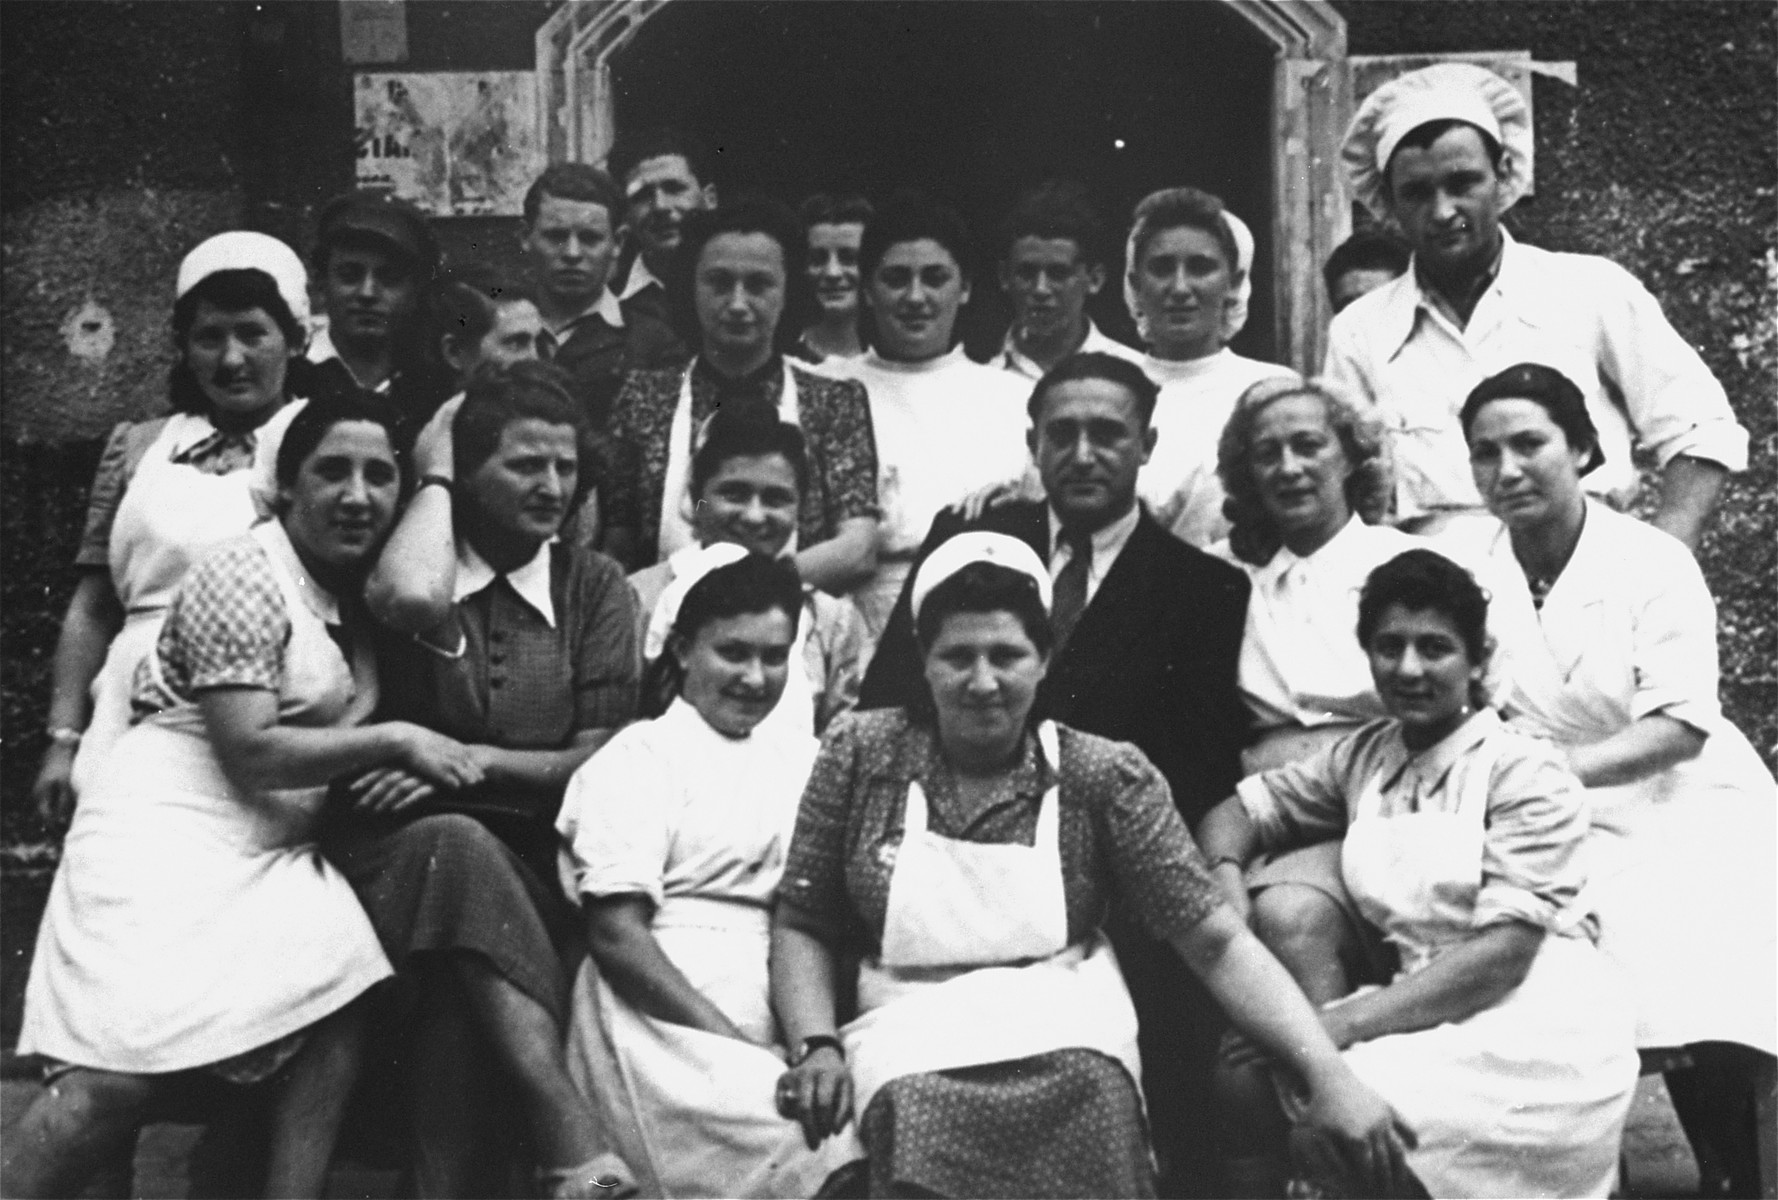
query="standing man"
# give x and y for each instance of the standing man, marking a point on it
(572, 233)
(1441, 152)
(663, 174)
(1052, 261)
(1148, 637)
(374, 257)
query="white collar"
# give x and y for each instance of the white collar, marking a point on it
(607, 308)
(640, 277)
(1015, 359)
(1108, 542)
(277, 545)
(1173, 370)
(321, 349)
(1347, 538)
(530, 581)
(1399, 311)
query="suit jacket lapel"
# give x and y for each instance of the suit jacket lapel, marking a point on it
(1117, 616)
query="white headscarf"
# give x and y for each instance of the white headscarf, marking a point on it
(689, 565)
(967, 548)
(244, 250)
(1234, 313)
(1444, 92)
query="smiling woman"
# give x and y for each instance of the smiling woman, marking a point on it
(171, 489)
(192, 924)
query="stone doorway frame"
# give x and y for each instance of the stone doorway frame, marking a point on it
(1311, 103)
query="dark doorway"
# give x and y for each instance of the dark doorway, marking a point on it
(971, 102)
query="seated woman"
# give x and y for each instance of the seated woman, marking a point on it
(742, 286)
(1505, 1039)
(677, 832)
(1189, 277)
(171, 489)
(1608, 646)
(192, 925)
(747, 479)
(968, 854)
(1307, 478)
(523, 648)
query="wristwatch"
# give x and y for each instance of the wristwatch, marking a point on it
(818, 1041)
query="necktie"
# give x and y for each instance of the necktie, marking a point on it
(1070, 589)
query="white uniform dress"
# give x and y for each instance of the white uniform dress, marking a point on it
(1683, 869)
(699, 823)
(189, 924)
(945, 427)
(1179, 481)
(169, 516)
(1526, 1097)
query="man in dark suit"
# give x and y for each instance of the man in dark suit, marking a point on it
(1148, 635)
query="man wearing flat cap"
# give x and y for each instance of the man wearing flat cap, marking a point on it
(1442, 153)
(373, 257)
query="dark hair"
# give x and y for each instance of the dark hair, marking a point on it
(910, 216)
(1549, 388)
(499, 395)
(633, 148)
(748, 430)
(336, 406)
(1252, 535)
(1094, 364)
(755, 584)
(825, 209)
(232, 292)
(575, 181)
(1366, 250)
(1421, 137)
(463, 304)
(980, 587)
(1184, 207)
(748, 214)
(1055, 208)
(1423, 580)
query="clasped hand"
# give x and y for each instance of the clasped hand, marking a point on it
(817, 1093)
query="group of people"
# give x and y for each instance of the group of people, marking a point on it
(1092, 772)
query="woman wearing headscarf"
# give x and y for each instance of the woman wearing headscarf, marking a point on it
(676, 835)
(1607, 638)
(1187, 282)
(169, 490)
(964, 853)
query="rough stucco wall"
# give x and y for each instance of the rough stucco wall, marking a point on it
(1664, 159)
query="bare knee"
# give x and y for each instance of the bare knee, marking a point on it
(93, 1097)
(1291, 916)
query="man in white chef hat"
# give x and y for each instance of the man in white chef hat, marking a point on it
(1442, 153)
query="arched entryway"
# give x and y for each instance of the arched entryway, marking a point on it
(975, 101)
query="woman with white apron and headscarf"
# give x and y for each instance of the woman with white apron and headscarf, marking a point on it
(967, 853)
(1607, 638)
(171, 489)
(1187, 282)
(748, 477)
(676, 833)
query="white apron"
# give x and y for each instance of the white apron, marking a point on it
(188, 924)
(169, 517)
(1680, 865)
(975, 965)
(1528, 1097)
(695, 1113)
(676, 499)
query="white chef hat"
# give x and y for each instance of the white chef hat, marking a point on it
(967, 548)
(244, 250)
(1443, 92)
(1234, 313)
(689, 565)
